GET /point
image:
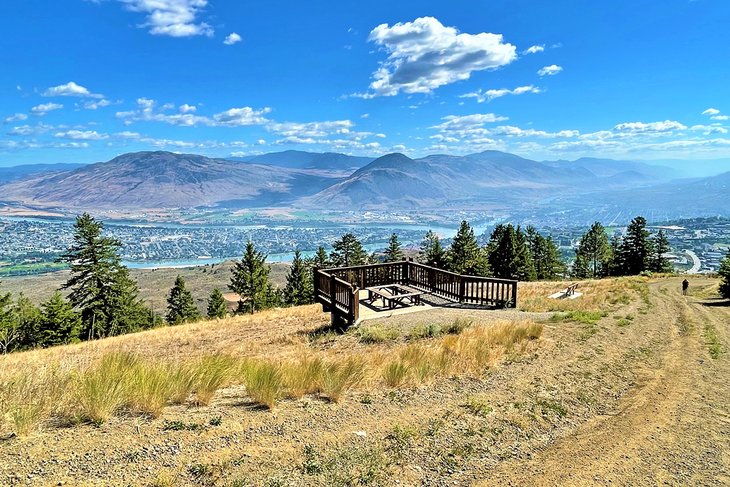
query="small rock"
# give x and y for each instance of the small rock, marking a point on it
(361, 434)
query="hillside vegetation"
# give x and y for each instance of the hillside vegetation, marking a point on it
(444, 396)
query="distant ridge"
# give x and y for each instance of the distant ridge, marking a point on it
(484, 180)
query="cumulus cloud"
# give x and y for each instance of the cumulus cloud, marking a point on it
(71, 89)
(231, 39)
(44, 108)
(93, 105)
(17, 117)
(21, 130)
(148, 111)
(534, 49)
(174, 18)
(81, 135)
(719, 117)
(237, 117)
(425, 54)
(551, 70)
(459, 122)
(711, 111)
(649, 128)
(489, 95)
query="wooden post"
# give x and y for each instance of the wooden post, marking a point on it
(355, 312)
(514, 295)
(462, 289)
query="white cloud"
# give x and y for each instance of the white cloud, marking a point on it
(237, 117)
(174, 18)
(534, 49)
(93, 105)
(311, 129)
(551, 70)
(128, 135)
(648, 128)
(489, 95)
(709, 129)
(231, 39)
(18, 117)
(425, 54)
(365, 115)
(185, 108)
(21, 130)
(71, 89)
(147, 111)
(44, 108)
(711, 111)
(81, 135)
(720, 117)
(261, 142)
(459, 122)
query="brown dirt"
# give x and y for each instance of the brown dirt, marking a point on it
(636, 401)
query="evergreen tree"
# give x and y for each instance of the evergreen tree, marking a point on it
(509, 254)
(299, 283)
(636, 248)
(660, 247)
(348, 251)
(593, 255)
(59, 323)
(394, 253)
(180, 304)
(250, 280)
(545, 255)
(9, 331)
(724, 273)
(100, 285)
(217, 307)
(320, 259)
(616, 264)
(432, 253)
(465, 256)
(27, 316)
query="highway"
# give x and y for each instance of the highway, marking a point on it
(696, 264)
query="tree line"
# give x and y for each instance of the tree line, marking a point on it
(103, 300)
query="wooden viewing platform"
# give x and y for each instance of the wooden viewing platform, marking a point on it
(338, 289)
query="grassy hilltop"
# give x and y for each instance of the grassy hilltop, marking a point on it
(626, 384)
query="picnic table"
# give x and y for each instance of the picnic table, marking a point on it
(393, 295)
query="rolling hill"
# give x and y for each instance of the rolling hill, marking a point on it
(165, 180)
(294, 159)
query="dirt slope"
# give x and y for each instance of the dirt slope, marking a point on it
(672, 428)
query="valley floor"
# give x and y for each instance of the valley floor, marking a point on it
(639, 396)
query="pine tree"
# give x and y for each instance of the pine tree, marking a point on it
(348, 251)
(299, 283)
(28, 317)
(9, 330)
(724, 273)
(465, 256)
(59, 323)
(217, 307)
(180, 304)
(509, 254)
(593, 255)
(545, 255)
(393, 253)
(616, 264)
(636, 248)
(660, 247)
(100, 285)
(320, 259)
(432, 253)
(250, 279)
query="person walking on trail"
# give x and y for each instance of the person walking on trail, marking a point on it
(685, 285)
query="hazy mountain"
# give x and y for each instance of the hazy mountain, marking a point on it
(308, 160)
(165, 180)
(19, 172)
(486, 178)
(611, 167)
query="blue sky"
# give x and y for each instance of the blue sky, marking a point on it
(83, 81)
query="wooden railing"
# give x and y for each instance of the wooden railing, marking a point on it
(337, 289)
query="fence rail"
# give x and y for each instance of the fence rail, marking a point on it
(337, 289)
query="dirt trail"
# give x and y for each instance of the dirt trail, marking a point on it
(672, 429)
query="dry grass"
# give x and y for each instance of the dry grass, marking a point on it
(598, 294)
(142, 374)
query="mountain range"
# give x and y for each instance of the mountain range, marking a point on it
(485, 180)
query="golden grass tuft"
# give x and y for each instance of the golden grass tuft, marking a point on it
(264, 383)
(340, 376)
(598, 294)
